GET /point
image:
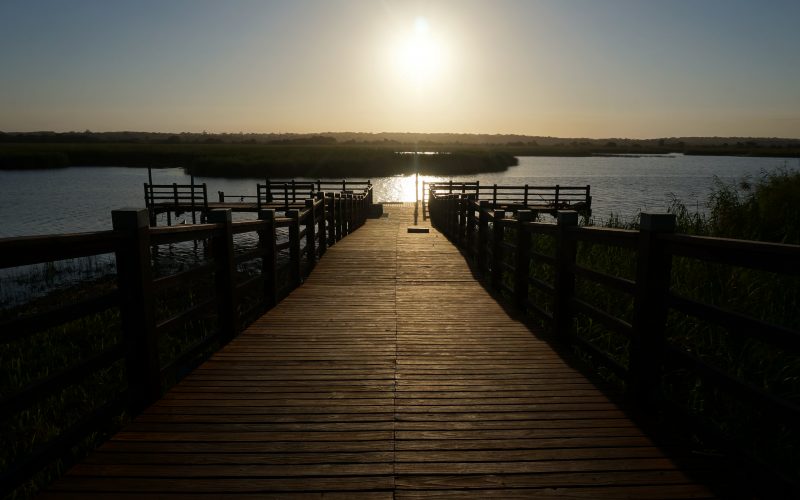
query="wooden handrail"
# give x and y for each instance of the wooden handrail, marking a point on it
(464, 219)
(322, 221)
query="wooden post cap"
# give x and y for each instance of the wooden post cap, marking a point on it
(567, 218)
(658, 223)
(129, 218)
(525, 215)
(219, 215)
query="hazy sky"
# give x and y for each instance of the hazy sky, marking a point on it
(570, 68)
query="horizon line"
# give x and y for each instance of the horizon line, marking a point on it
(468, 134)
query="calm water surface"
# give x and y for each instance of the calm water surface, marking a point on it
(81, 198)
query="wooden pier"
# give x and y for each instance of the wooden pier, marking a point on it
(316, 352)
(390, 373)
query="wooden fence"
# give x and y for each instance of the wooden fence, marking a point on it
(543, 198)
(235, 298)
(501, 245)
(175, 198)
(286, 192)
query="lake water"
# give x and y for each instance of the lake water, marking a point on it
(81, 198)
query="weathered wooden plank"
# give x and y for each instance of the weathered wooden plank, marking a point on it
(679, 491)
(216, 485)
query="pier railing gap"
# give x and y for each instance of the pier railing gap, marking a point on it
(497, 239)
(319, 222)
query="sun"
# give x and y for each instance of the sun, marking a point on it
(419, 56)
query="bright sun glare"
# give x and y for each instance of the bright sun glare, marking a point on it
(419, 56)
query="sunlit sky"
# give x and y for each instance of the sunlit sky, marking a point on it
(568, 68)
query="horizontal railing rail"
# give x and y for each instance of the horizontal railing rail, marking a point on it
(208, 303)
(547, 271)
(541, 198)
(175, 198)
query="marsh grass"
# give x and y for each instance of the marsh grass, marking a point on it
(44, 354)
(26, 284)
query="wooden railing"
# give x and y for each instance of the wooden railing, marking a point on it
(287, 192)
(175, 198)
(655, 368)
(543, 198)
(151, 308)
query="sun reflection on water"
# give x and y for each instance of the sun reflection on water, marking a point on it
(405, 188)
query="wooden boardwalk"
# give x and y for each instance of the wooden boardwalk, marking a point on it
(412, 383)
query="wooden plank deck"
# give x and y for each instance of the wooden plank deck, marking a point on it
(391, 373)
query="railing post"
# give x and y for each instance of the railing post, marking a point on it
(194, 217)
(221, 196)
(222, 250)
(267, 238)
(311, 240)
(294, 247)
(353, 212)
(497, 249)
(653, 269)
(365, 205)
(425, 196)
(555, 202)
(462, 219)
(452, 211)
(339, 216)
(566, 253)
(330, 202)
(523, 259)
(205, 204)
(588, 201)
(483, 234)
(322, 216)
(447, 215)
(148, 202)
(135, 282)
(470, 227)
(348, 221)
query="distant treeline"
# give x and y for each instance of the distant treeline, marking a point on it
(254, 160)
(260, 155)
(533, 145)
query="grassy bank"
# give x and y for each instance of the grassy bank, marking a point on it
(259, 160)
